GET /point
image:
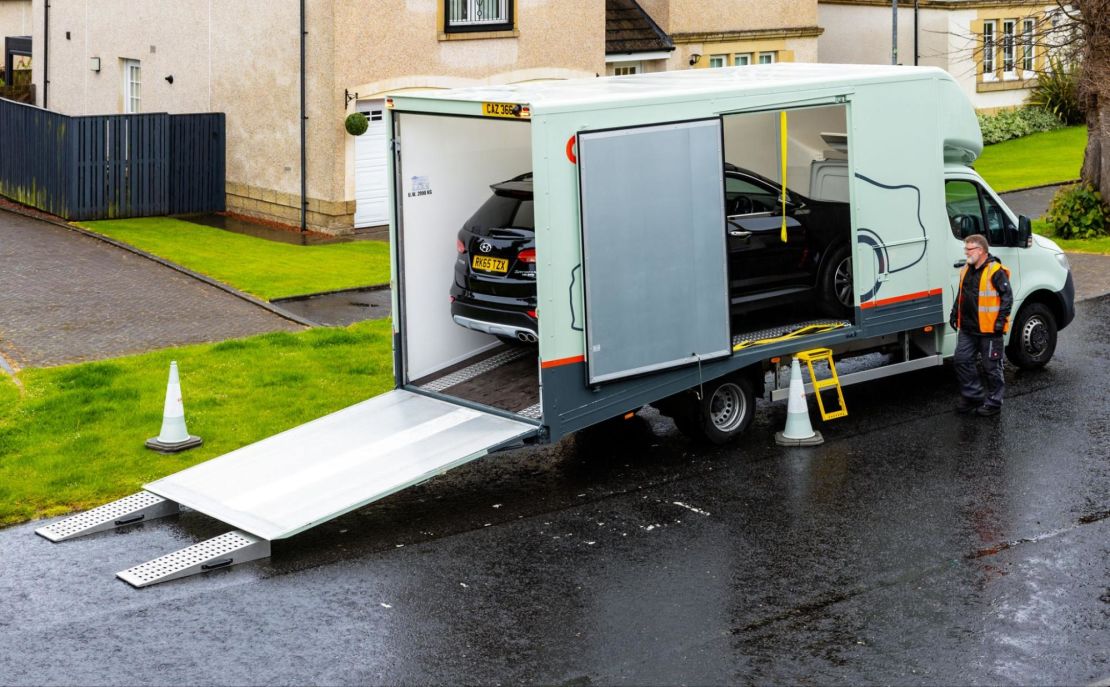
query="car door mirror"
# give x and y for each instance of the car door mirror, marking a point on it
(1025, 231)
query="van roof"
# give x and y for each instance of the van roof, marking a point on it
(553, 95)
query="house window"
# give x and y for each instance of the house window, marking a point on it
(988, 49)
(742, 59)
(718, 60)
(479, 15)
(766, 58)
(1027, 45)
(132, 87)
(1008, 48)
(626, 69)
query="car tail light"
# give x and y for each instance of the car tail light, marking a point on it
(532, 314)
(459, 246)
(527, 255)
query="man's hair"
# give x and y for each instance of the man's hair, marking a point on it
(979, 240)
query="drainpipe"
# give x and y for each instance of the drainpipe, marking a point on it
(45, 52)
(304, 125)
(915, 17)
(894, 32)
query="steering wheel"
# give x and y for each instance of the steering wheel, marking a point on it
(742, 205)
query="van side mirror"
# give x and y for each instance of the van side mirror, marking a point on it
(963, 226)
(1025, 231)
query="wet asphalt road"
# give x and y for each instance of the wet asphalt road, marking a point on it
(914, 547)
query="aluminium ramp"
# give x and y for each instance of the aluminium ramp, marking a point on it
(295, 480)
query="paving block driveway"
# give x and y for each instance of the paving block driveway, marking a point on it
(68, 298)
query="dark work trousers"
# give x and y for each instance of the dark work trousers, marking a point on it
(971, 386)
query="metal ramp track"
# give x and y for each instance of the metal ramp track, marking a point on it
(219, 552)
(476, 370)
(129, 510)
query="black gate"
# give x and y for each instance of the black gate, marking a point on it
(112, 166)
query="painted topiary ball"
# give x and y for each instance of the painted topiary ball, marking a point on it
(356, 124)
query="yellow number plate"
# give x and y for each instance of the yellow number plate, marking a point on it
(510, 110)
(482, 262)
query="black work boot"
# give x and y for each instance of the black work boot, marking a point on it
(967, 405)
(987, 411)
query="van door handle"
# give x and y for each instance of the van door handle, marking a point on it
(959, 263)
(739, 233)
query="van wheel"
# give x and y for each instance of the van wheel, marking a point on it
(1033, 337)
(834, 284)
(724, 411)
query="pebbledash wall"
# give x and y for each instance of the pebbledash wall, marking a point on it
(242, 57)
(15, 19)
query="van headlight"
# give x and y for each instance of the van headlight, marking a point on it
(1063, 260)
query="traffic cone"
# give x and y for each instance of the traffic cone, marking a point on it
(798, 431)
(174, 436)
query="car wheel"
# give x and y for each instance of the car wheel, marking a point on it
(835, 286)
(723, 412)
(1033, 337)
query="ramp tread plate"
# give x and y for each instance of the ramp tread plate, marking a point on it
(534, 412)
(126, 511)
(219, 552)
(476, 370)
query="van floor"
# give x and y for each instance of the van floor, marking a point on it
(505, 377)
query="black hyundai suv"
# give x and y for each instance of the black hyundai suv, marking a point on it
(495, 274)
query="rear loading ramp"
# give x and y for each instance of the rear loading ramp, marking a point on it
(293, 481)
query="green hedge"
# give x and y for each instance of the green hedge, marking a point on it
(1007, 124)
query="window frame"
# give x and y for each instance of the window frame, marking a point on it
(990, 44)
(132, 88)
(745, 56)
(1009, 49)
(507, 24)
(634, 66)
(986, 202)
(772, 56)
(723, 59)
(1028, 29)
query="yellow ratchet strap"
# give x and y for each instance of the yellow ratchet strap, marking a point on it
(801, 331)
(782, 191)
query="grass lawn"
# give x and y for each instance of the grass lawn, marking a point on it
(1050, 157)
(1099, 246)
(72, 437)
(266, 269)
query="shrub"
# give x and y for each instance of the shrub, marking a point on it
(1077, 212)
(356, 124)
(1007, 124)
(1057, 91)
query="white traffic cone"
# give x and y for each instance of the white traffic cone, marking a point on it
(174, 436)
(798, 431)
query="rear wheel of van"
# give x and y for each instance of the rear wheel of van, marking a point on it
(723, 412)
(1033, 337)
(834, 283)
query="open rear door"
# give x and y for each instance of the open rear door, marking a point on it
(300, 478)
(312, 473)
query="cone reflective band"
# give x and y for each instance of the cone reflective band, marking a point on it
(798, 431)
(174, 436)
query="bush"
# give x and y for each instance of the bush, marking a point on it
(1007, 124)
(356, 124)
(1057, 91)
(1077, 212)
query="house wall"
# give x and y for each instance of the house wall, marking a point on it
(15, 18)
(241, 57)
(949, 37)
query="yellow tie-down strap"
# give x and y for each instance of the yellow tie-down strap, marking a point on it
(801, 331)
(819, 385)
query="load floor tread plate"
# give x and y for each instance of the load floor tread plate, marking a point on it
(307, 475)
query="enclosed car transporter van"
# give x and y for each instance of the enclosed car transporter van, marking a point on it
(639, 267)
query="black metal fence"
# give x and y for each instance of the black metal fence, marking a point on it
(112, 166)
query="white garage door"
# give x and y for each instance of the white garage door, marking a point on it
(371, 189)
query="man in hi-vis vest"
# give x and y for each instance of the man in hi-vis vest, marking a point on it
(982, 314)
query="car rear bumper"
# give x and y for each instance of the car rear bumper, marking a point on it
(506, 323)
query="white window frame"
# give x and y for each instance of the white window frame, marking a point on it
(1028, 26)
(472, 12)
(132, 86)
(1009, 49)
(626, 68)
(718, 61)
(769, 57)
(742, 59)
(990, 37)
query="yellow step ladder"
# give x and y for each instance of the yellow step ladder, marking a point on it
(819, 385)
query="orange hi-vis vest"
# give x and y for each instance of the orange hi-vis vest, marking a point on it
(989, 299)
